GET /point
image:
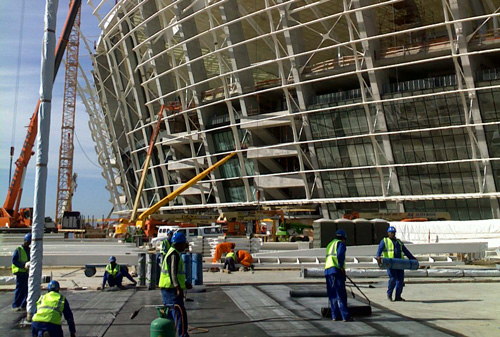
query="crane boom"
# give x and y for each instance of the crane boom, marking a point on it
(153, 209)
(146, 165)
(65, 173)
(9, 214)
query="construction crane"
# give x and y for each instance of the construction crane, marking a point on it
(65, 186)
(10, 215)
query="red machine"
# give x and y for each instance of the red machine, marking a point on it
(10, 214)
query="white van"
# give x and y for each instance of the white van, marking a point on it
(189, 232)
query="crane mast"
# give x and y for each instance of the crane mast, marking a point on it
(65, 174)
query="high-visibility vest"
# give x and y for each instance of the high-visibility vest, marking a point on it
(23, 258)
(165, 246)
(112, 271)
(331, 255)
(49, 308)
(165, 281)
(388, 251)
(231, 255)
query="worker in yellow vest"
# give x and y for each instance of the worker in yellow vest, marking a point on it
(173, 283)
(230, 261)
(114, 274)
(48, 313)
(165, 244)
(335, 277)
(20, 268)
(391, 248)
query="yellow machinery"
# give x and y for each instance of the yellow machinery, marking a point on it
(149, 227)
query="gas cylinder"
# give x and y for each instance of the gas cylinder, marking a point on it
(162, 326)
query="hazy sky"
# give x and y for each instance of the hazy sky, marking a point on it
(91, 198)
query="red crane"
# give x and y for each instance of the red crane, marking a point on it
(10, 216)
(65, 181)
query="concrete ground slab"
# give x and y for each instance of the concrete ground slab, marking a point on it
(246, 304)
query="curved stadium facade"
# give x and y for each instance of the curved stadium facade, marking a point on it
(336, 105)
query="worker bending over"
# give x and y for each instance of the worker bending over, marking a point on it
(173, 282)
(391, 248)
(245, 259)
(48, 313)
(20, 268)
(230, 261)
(222, 248)
(335, 277)
(114, 274)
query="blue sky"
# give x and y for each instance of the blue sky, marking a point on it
(91, 197)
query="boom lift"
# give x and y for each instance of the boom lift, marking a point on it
(10, 215)
(149, 225)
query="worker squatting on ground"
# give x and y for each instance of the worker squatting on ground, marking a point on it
(391, 248)
(230, 261)
(222, 248)
(245, 259)
(335, 277)
(173, 282)
(20, 268)
(114, 274)
(48, 313)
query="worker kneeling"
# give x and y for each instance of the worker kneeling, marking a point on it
(48, 313)
(245, 259)
(230, 261)
(173, 282)
(114, 274)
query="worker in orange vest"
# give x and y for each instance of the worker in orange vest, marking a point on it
(222, 248)
(245, 259)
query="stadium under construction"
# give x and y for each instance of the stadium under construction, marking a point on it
(366, 106)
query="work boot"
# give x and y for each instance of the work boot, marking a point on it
(46, 334)
(389, 298)
(399, 299)
(17, 309)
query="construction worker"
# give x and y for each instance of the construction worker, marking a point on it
(173, 282)
(48, 313)
(245, 259)
(391, 248)
(222, 248)
(335, 277)
(230, 261)
(114, 274)
(20, 268)
(165, 244)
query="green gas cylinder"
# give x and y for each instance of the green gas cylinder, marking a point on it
(162, 326)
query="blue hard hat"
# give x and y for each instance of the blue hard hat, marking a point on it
(170, 232)
(391, 229)
(341, 233)
(179, 238)
(53, 286)
(27, 237)
(112, 259)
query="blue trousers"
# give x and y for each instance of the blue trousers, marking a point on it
(335, 287)
(177, 310)
(115, 280)
(396, 279)
(21, 292)
(38, 328)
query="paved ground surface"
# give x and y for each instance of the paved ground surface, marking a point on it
(245, 304)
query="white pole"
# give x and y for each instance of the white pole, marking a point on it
(47, 79)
